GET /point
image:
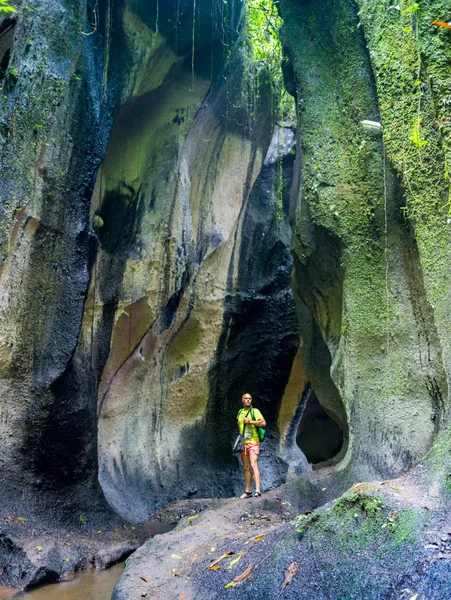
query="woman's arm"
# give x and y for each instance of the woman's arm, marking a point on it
(258, 422)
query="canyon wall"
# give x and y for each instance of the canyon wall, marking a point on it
(169, 244)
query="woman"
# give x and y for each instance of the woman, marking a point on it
(248, 427)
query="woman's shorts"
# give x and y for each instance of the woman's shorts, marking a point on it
(251, 448)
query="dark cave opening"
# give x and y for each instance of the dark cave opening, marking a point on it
(318, 436)
(7, 31)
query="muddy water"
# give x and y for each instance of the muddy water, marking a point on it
(90, 585)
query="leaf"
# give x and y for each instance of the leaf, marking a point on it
(21, 519)
(230, 585)
(411, 9)
(226, 555)
(244, 575)
(144, 579)
(187, 549)
(290, 573)
(235, 560)
(39, 548)
(182, 597)
(175, 573)
(66, 559)
(215, 568)
(356, 485)
(256, 538)
(176, 556)
(445, 24)
(193, 560)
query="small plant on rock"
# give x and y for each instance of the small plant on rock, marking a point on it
(6, 8)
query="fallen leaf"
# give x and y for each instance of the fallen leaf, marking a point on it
(39, 548)
(395, 488)
(447, 25)
(356, 485)
(182, 597)
(144, 579)
(193, 560)
(175, 573)
(323, 489)
(187, 550)
(235, 560)
(214, 568)
(256, 538)
(290, 573)
(230, 585)
(226, 555)
(138, 556)
(67, 543)
(244, 575)
(212, 549)
(21, 519)
(99, 531)
(176, 556)
(66, 559)
(286, 502)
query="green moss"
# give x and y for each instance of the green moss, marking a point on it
(359, 523)
(411, 61)
(343, 172)
(439, 461)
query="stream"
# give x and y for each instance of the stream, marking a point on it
(86, 585)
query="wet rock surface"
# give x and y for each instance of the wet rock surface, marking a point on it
(385, 539)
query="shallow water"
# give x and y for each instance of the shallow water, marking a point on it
(89, 585)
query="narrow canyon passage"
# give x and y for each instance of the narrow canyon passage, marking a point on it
(193, 206)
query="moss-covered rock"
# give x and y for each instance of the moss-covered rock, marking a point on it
(357, 262)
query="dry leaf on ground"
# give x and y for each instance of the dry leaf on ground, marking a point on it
(356, 485)
(257, 538)
(235, 560)
(226, 555)
(193, 560)
(244, 575)
(290, 573)
(182, 597)
(175, 573)
(144, 579)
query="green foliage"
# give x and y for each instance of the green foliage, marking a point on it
(410, 9)
(5, 7)
(263, 56)
(416, 137)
